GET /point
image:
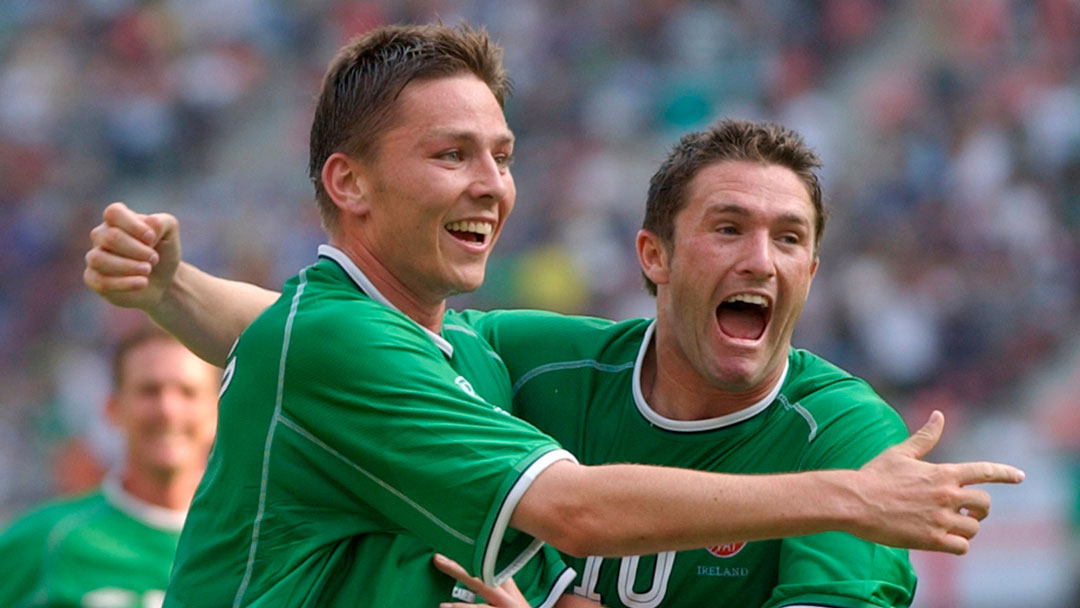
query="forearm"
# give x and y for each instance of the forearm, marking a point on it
(615, 510)
(207, 313)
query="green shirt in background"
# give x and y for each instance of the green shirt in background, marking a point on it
(578, 379)
(106, 549)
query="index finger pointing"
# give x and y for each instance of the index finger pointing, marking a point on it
(988, 472)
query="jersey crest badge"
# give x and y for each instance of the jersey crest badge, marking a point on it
(464, 385)
(726, 551)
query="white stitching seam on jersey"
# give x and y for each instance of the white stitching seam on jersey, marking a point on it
(802, 411)
(270, 441)
(292, 424)
(470, 332)
(461, 328)
(561, 365)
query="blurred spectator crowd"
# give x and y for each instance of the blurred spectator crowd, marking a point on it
(950, 132)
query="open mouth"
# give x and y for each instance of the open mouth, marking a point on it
(743, 316)
(470, 232)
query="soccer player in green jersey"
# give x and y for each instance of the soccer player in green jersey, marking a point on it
(115, 546)
(729, 247)
(362, 423)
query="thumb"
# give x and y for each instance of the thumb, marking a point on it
(167, 229)
(924, 439)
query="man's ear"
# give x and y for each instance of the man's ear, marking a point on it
(813, 273)
(112, 410)
(653, 257)
(346, 182)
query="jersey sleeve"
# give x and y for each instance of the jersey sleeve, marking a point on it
(377, 407)
(835, 568)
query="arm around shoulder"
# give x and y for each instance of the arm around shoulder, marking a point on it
(620, 509)
(896, 500)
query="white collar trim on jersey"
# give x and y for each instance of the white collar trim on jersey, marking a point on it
(150, 514)
(694, 426)
(365, 285)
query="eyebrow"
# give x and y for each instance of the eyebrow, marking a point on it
(506, 138)
(735, 209)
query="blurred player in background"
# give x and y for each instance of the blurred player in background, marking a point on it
(114, 547)
(413, 205)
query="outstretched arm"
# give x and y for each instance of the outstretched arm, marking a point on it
(896, 499)
(136, 262)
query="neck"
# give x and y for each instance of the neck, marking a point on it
(674, 388)
(173, 490)
(426, 311)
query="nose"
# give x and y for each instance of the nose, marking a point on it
(491, 179)
(170, 403)
(756, 257)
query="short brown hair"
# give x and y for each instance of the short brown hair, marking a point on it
(362, 82)
(727, 140)
(142, 335)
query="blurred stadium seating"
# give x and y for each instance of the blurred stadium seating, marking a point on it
(950, 131)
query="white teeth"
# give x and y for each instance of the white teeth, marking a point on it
(749, 299)
(476, 227)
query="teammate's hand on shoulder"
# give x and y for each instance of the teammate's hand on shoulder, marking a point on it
(506, 595)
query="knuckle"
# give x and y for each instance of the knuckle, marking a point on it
(91, 279)
(946, 497)
(953, 495)
(941, 519)
(111, 237)
(952, 472)
(112, 210)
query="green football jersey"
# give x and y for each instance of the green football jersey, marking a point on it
(351, 441)
(106, 549)
(578, 379)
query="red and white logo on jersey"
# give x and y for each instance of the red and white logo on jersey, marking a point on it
(727, 550)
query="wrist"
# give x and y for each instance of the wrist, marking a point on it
(175, 296)
(843, 500)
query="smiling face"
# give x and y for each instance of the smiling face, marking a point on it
(731, 286)
(166, 405)
(439, 187)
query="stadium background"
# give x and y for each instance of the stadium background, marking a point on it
(950, 131)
